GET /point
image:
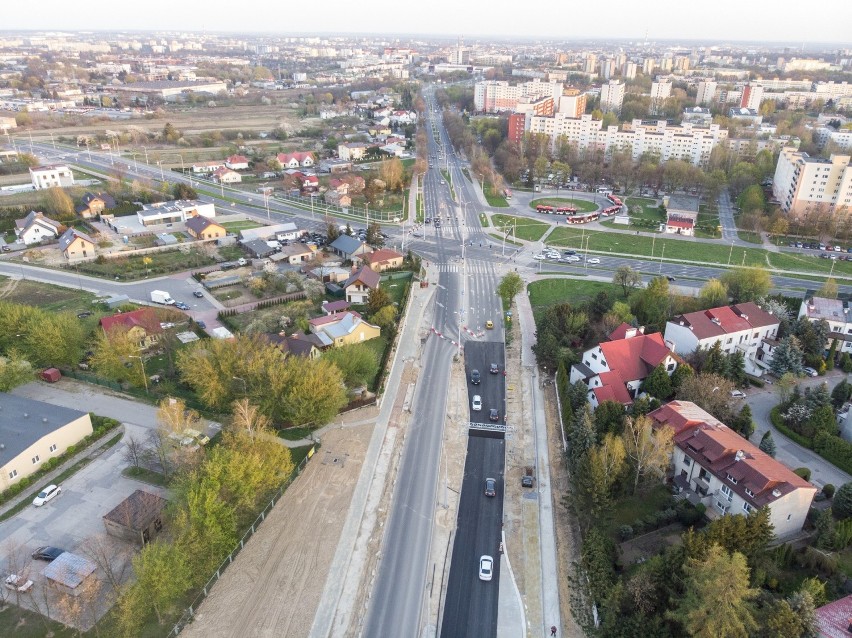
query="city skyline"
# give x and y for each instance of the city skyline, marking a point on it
(759, 21)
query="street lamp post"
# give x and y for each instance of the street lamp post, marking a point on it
(162, 175)
(731, 252)
(662, 252)
(145, 148)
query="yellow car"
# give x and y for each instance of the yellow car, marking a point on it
(489, 324)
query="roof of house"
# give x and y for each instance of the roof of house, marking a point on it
(330, 319)
(137, 511)
(716, 322)
(624, 331)
(613, 389)
(237, 159)
(106, 198)
(331, 307)
(382, 254)
(346, 244)
(297, 249)
(833, 619)
(366, 275)
(299, 156)
(68, 237)
(35, 217)
(49, 167)
(681, 415)
(829, 309)
(199, 224)
(299, 345)
(259, 247)
(724, 453)
(683, 203)
(337, 326)
(678, 222)
(636, 357)
(24, 421)
(144, 318)
(219, 172)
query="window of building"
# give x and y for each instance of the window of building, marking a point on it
(726, 491)
(13, 474)
(731, 479)
(53, 448)
(36, 459)
(730, 339)
(789, 516)
(749, 492)
(748, 509)
(687, 461)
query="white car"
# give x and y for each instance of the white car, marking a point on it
(539, 257)
(47, 494)
(738, 394)
(810, 372)
(486, 567)
(477, 403)
(593, 260)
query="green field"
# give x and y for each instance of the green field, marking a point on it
(135, 266)
(494, 199)
(235, 227)
(691, 251)
(749, 236)
(582, 205)
(548, 292)
(48, 296)
(524, 227)
(644, 208)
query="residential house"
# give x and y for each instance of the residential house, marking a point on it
(333, 307)
(349, 247)
(379, 130)
(834, 620)
(614, 369)
(297, 253)
(357, 288)
(681, 214)
(338, 186)
(353, 151)
(35, 228)
(741, 327)
(137, 519)
(335, 166)
(287, 230)
(308, 346)
(51, 175)
(32, 432)
(396, 150)
(226, 176)
(173, 212)
(836, 313)
(307, 183)
(237, 163)
(335, 198)
(330, 274)
(258, 248)
(207, 167)
(382, 259)
(142, 326)
(202, 227)
(93, 204)
(342, 329)
(296, 160)
(714, 465)
(76, 244)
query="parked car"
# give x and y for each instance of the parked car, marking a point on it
(738, 394)
(84, 314)
(490, 487)
(486, 568)
(475, 377)
(47, 553)
(47, 494)
(593, 260)
(476, 404)
(810, 371)
(670, 278)
(181, 305)
(539, 257)
(198, 294)
(529, 476)
(201, 324)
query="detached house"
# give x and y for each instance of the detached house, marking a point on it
(35, 228)
(50, 176)
(615, 369)
(299, 159)
(237, 163)
(202, 227)
(93, 204)
(359, 285)
(349, 247)
(836, 313)
(343, 329)
(741, 327)
(352, 151)
(382, 259)
(226, 176)
(142, 326)
(336, 198)
(76, 244)
(714, 465)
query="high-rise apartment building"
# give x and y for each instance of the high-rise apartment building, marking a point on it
(607, 69)
(751, 97)
(612, 96)
(628, 71)
(494, 96)
(706, 92)
(572, 103)
(803, 183)
(648, 66)
(591, 63)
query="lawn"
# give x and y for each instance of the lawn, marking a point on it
(295, 434)
(145, 475)
(501, 239)
(17, 622)
(133, 266)
(690, 251)
(750, 236)
(629, 509)
(523, 227)
(396, 289)
(235, 227)
(582, 205)
(548, 292)
(299, 453)
(494, 199)
(50, 297)
(644, 208)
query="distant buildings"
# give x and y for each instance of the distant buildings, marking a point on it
(495, 96)
(803, 183)
(706, 93)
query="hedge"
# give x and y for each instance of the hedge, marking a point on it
(835, 450)
(778, 422)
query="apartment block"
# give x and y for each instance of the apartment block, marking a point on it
(803, 183)
(751, 97)
(494, 96)
(660, 92)
(706, 93)
(612, 96)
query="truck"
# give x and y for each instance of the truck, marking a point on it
(161, 296)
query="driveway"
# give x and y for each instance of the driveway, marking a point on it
(789, 452)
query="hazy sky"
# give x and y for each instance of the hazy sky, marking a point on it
(788, 21)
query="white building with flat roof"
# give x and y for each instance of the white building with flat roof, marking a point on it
(803, 183)
(50, 175)
(612, 96)
(174, 212)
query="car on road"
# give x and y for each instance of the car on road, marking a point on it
(489, 324)
(493, 415)
(486, 568)
(181, 305)
(428, 220)
(670, 278)
(738, 394)
(593, 260)
(570, 252)
(198, 294)
(810, 372)
(572, 258)
(475, 377)
(476, 404)
(490, 487)
(529, 477)
(47, 553)
(47, 494)
(494, 369)
(539, 256)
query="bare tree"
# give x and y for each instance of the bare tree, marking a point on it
(135, 451)
(112, 557)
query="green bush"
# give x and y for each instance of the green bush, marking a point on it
(834, 449)
(625, 532)
(828, 490)
(804, 472)
(778, 422)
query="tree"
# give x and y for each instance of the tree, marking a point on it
(713, 294)
(510, 286)
(617, 315)
(14, 371)
(184, 191)
(374, 234)
(841, 393)
(715, 602)
(710, 392)
(115, 357)
(581, 437)
(163, 575)
(386, 317)
(627, 278)
(332, 230)
(828, 289)
(57, 203)
(842, 504)
(134, 451)
(747, 284)
(377, 299)
(609, 419)
(785, 385)
(682, 372)
(767, 444)
(357, 363)
(391, 172)
(603, 466)
(658, 383)
(787, 357)
(743, 423)
(652, 306)
(649, 451)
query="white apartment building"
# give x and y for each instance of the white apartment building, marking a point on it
(494, 96)
(612, 96)
(661, 90)
(706, 93)
(50, 175)
(832, 90)
(803, 183)
(742, 327)
(629, 71)
(841, 139)
(836, 313)
(751, 97)
(715, 466)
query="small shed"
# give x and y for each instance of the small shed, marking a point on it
(137, 519)
(68, 572)
(51, 375)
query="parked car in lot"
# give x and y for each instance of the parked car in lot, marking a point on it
(810, 372)
(539, 256)
(47, 494)
(528, 478)
(198, 294)
(476, 404)
(738, 394)
(181, 305)
(47, 553)
(486, 568)
(490, 487)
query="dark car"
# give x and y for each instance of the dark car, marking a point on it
(493, 415)
(47, 553)
(198, 294)
(201, 325)
(670, 278)
(475, 377)
(570, 252)
(490, 487)
(494, 369)
(84, 314)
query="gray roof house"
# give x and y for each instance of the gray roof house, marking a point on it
(348, 247)
(258, 248)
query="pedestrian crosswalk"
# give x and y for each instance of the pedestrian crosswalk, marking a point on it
(473, 267)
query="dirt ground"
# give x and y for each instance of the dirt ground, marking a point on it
(275, 584)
